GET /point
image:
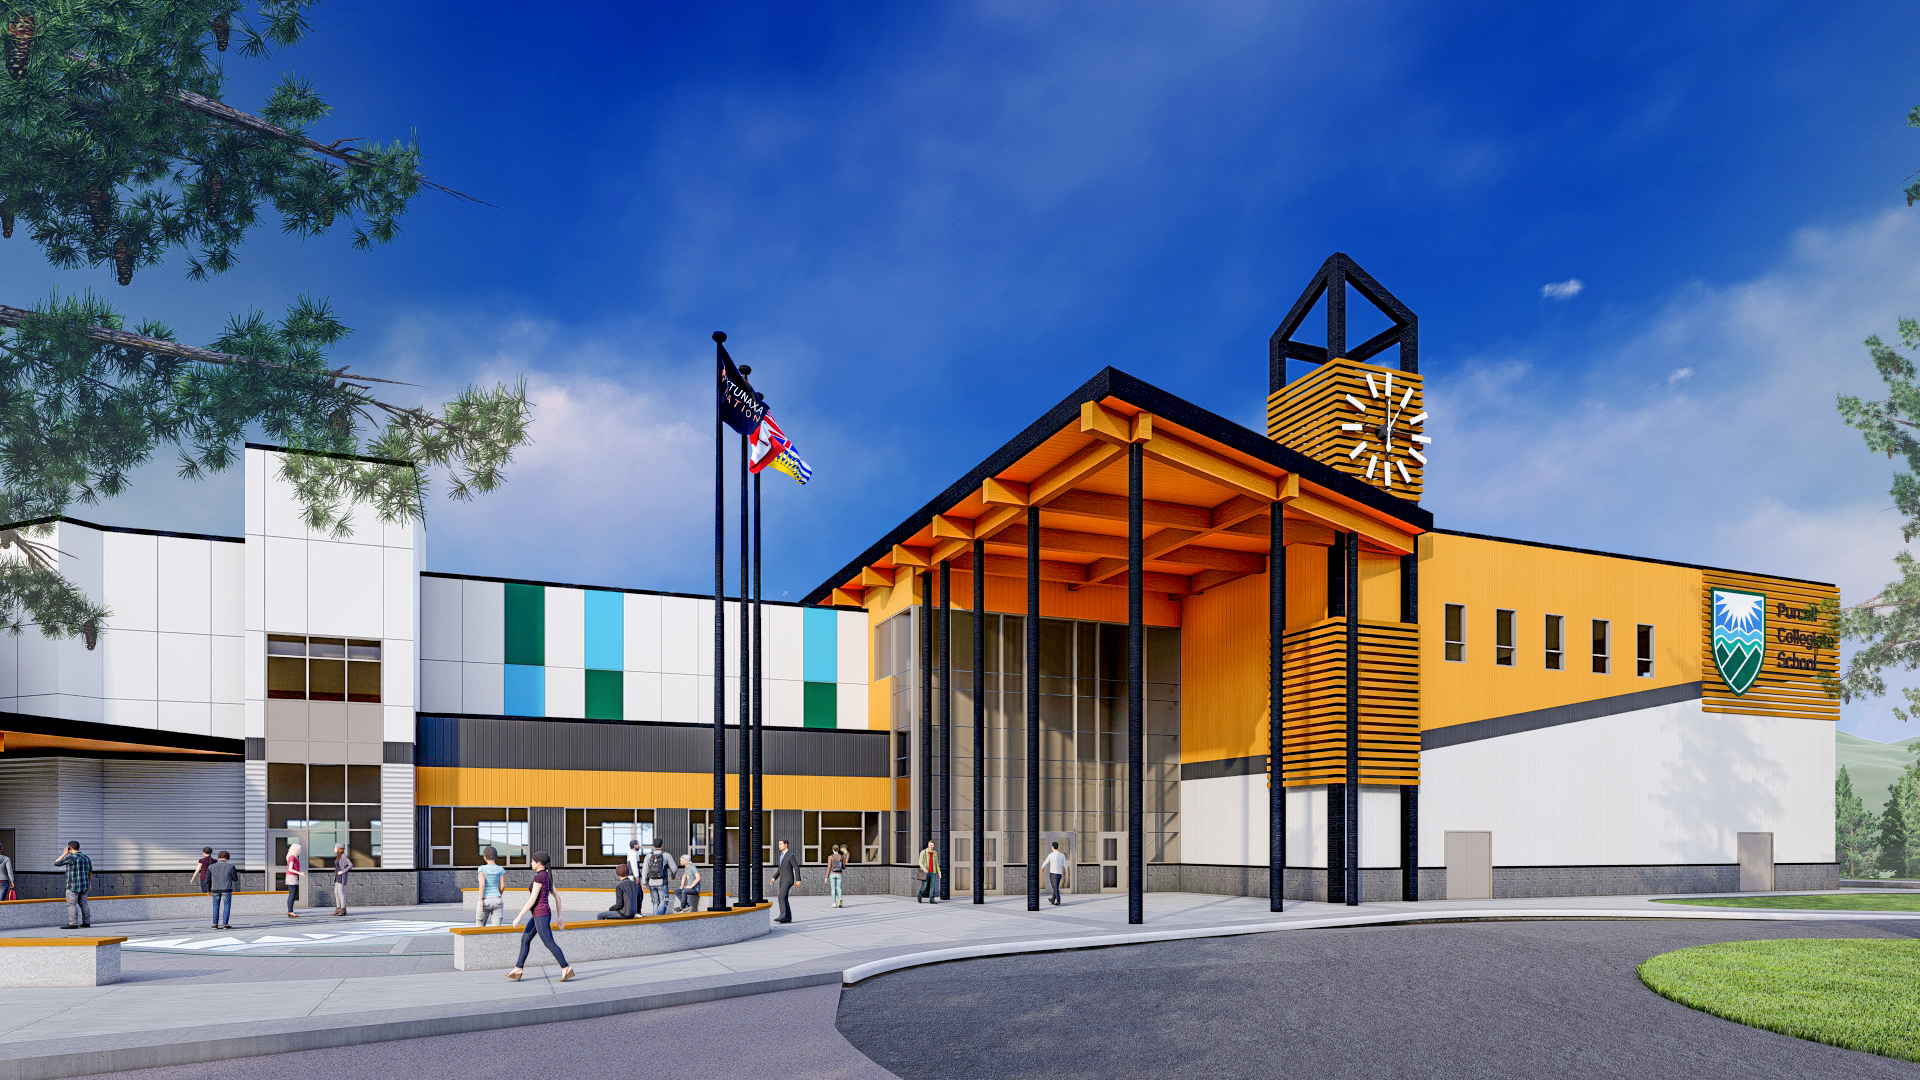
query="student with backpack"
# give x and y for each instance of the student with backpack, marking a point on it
(656, 870)
(836, 870)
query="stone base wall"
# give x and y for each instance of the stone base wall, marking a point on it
(1509, 882)
(44, 885)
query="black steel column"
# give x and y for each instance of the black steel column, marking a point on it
(1336, 311)
(979, 720)
(1353, 721)
(1336, 843)
(1409, 793)
(926, 715)
(717, 828)
(1136, 698)
(1276, 636)
(748, 842)
(946, 730)
(1033, 708)
(759, 705)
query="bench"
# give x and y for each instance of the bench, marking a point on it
(60, 961)
(572, 900)
(493, 948)
(23, 914)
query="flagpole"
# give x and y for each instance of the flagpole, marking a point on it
(749, 842)
(717, 825)
(759, 702)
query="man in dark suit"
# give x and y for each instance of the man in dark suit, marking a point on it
(786, 874)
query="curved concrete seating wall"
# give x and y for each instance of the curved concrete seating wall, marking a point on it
(61, 961)
(488, 948)
(19, 914)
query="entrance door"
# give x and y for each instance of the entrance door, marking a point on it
(278, 840)
(963, 863)
(1113, 862)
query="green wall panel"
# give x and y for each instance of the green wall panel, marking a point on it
(526, 619)
(605, 695)
(822, 704)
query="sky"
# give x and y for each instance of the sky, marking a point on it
(1645, 243)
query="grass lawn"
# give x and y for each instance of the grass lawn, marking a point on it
(1860, 994)
(1905, 901)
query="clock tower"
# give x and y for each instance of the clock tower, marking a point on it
(1362, 417)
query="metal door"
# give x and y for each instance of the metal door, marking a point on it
(278, 841)
(1113, 861)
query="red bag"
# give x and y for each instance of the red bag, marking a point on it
(10, 893)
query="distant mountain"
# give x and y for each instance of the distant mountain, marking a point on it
(1872, 766)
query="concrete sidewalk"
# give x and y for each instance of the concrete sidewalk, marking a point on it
(194, 995)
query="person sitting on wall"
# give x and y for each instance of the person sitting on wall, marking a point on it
(626, 895)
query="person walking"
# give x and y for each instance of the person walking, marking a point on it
(79, 883)
(636, 856)
(930, 875)
(342, 866)
(222, 876)
(659, 874)
(1055, 866)
(543, 914)
(200, 871)
(293, 878)
(492, 901)
(836, 869)
(626, 896)
(786, 874)
(689, 885)
(7, 891)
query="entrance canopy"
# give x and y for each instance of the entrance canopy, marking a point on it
(1209, 487)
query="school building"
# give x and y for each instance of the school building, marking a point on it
(1458, 714)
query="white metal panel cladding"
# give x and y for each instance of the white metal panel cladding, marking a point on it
(30, 805)
(81, 809)
(1671, 785)
(440, 625)
(157, 815)
(396, 817)
(854, 666)
(483, 623)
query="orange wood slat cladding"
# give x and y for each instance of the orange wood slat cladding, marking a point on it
(1306, 415)
(1314, 704)
(1778, 690)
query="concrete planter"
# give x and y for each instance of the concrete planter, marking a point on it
(20, 914)
(63, 961)
(493, 948)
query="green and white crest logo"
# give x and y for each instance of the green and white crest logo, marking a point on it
(1739, 636)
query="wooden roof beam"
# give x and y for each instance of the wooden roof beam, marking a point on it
(1075, 574)
(1339, 517)
(848, 596)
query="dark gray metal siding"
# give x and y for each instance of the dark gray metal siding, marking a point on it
(493, 743)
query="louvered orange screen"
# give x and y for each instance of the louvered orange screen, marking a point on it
(1314, 704)
(1360, 418)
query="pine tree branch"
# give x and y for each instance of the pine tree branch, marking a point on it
(13, 316)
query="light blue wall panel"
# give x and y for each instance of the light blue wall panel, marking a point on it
(525, 689)
(606, 630)
(823, 645)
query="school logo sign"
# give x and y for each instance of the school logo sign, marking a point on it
(1739, 636)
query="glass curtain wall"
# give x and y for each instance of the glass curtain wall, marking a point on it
(1083, 735)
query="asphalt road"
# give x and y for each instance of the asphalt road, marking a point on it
(1526, 1000)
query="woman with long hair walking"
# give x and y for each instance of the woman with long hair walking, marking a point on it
(543, 915)
(293, 878)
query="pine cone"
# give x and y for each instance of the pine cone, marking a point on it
(326, 214)
(123, 262)
(19, 43)
(220, 32)
(99, 211)
(6, 222)
(213, 191)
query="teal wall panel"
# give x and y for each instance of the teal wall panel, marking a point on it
(526, 625)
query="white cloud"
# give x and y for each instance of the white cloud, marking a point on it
(1751, 468)
(1562, 290)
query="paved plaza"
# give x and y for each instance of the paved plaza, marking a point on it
(276, 985)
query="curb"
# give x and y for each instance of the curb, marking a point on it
(861, 972)
(345, 1031)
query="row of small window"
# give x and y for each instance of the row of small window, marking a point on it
(1553, 640)
(323, 668)
(602, 837)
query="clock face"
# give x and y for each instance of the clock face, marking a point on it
(1383, 434)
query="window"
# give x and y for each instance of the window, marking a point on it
(323, 668)
(823, 830)
(601, 837)
(1503, 638)
(1643, 651)
(336, 804)
(455, 834)
(1456, 632)
(902, 754)
(1601, 653)
(1556, 642)
(698, 821)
